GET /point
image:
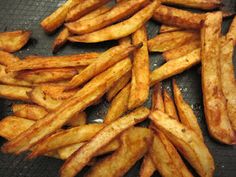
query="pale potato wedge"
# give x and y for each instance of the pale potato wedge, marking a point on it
(170, 106)
(7, 58)
(125, 28)
(167, 28)
(232, 31)
(14, 40)
(187, 142)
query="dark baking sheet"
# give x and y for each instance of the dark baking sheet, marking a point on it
(26, 14)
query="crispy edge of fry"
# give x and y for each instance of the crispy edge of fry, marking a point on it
(170, 108)
(157, 98)
(125, 28)
(232, 31)
(139, 90)
(7, 58)
(79, 159)
(167, 28)
(180, 135)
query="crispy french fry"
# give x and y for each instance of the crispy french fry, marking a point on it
(104, 61)
(135, 143)
(198, 4)
(232, 31)
(157, 99)
(81, 157)
(53, 62)
(7, 58)
(77, 120)
(148, 167)
(119, 11)
(14, 92)
(125, 28)
(119, 105)
(227, 78)
(182, 50)
(215, 108)
(167, 41)
(14, 40)
(170, 105)
(180, 135)
(83, 8)
(140, 82)
(115, 89)
(167, 28)
(186, 114)
(85, 97)
(176, 66)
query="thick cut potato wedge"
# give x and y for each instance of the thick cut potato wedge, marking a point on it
(167, 28)
(167, 41)
(7, 58)
(228, 82)
(176, 66)
(81, 157)
(166, 158)
(125, 27)
(104, 61)
(82, 8)
(157, 98)
(119, 105)
(134, 144)
(186, 114)
(14, 40)
(215, 108)
(187, 142)
(170, 106)
(198, 4)
(232, 31)
(182, 50)
(120, 11)
(85, 97)
(15, 92)
(53, 62)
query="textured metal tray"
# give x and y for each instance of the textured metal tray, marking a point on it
(26, 14)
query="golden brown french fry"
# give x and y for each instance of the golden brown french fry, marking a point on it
(170, 105)
(119, 105)
(119, 11)
(54, 62)
(166, 158)
(176, 66)
(115, 89)
(232, 31)
(215, 108)
(167, 28)
(81, 157)
(82, 8)
(14, 40)
(125, 41)
(180, 135)
(182, 50)
(134, 144)
(186, 114)
(7, 58)
(77, 120)
(148, 167)
(167, 41)
(125, 28)
(14, 92)
(227, 78)
(157, 99)
(198, 4)
(140, 82)
(85, 97)
(104, 61)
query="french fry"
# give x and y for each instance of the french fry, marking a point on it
(7, 58)
(125, 28)
(186, 114)
(85, 97)
(82, 8)
(135, 143)
(227, 78)
(119, 105)
(167, 28)
(166, 158)
(198, 4)
(170, 105)
(180, 135)
(81, 157)
(148, 167)
(119, 11)
(167, 41)
(104, 61)
(14, 40)
(182, 50)
(139, 90)
(15, 92)
(176, 66)
(232, 31)
(215, 108)
(157, 98)
(77, 120)
(53, 62)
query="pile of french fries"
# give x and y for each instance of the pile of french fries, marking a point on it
(56, 90)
